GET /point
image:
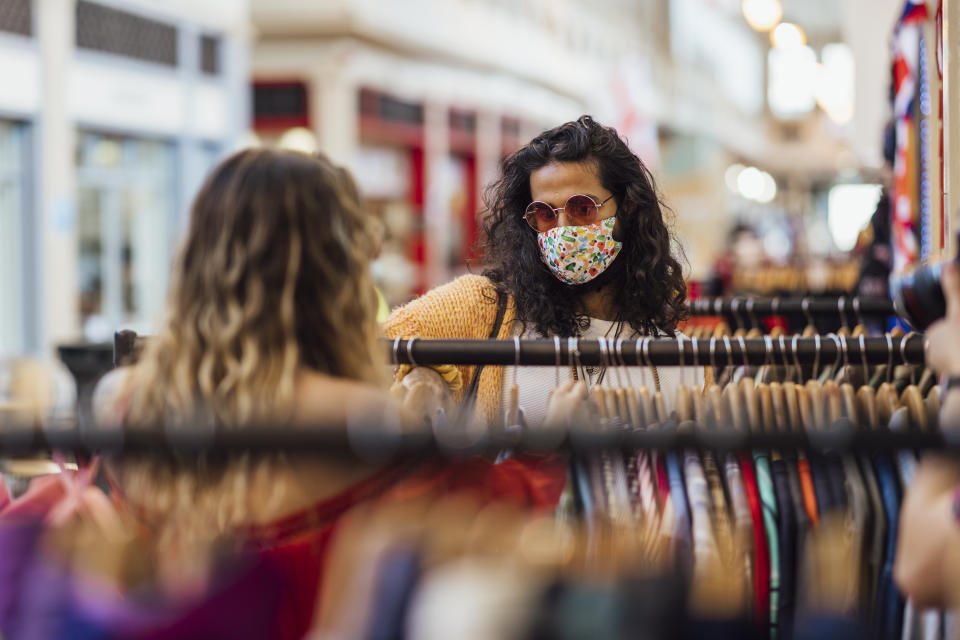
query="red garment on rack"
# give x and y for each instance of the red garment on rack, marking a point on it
(761, 553)
(297, 545)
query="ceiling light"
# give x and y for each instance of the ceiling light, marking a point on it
(788, 36)
(762, 15)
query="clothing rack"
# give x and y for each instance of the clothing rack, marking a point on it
(750, 308)
(787, 351)
(375, 443)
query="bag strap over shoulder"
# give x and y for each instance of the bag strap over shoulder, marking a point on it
(470, 396)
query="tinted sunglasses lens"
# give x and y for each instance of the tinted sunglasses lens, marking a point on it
(581, 210)
(541, 217)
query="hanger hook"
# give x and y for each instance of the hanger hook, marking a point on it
(856, 310)
(816, 354)
(410, 351)
(573, 353)
(516, 358)
(836, 363)
(768, 351)
(796, 358)
(729, 348)
(734, 305)
(396, 350)
(903, 356)
(743, 350)
(754, 323)
(841, 306)
(696, 353)
(889, 357)
(680, 359)
(805, 307)
(843, 350)
(863, 358)
(556, 351)
(622, 362)
(604, 347)
(713, 351)
(783, 352)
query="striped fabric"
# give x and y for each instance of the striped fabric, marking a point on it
(769, 502)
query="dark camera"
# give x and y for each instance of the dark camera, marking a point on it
(918, 296)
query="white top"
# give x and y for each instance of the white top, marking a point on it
(534, 383)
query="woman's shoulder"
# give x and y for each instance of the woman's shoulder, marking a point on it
(464, 307)
(326, 399)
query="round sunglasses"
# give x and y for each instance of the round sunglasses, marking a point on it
(580, 209)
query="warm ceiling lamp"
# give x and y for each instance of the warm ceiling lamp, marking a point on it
(788, 36)
(762, 15)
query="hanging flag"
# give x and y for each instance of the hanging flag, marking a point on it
(906, 164)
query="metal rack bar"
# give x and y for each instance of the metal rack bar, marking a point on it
(373, 443)
(743, 307)
(660, 351)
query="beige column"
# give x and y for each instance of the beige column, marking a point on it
(334, 117)
(489, 146)
(437, 190)
(55, 187)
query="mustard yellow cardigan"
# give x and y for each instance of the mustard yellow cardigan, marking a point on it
(462, 309)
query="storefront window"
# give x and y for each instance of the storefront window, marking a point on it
(125, 216)
(12, 339)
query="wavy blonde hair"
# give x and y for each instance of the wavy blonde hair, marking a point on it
(273, 277)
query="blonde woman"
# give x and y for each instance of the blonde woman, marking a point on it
(271, 320)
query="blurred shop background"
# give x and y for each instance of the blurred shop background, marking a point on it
(772, 127)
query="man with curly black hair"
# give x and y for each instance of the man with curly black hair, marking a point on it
(574, 244)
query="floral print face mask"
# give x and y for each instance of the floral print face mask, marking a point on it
(579, 254)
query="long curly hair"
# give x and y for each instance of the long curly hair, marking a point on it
(274, 275)
(273, 278)
(648, 286)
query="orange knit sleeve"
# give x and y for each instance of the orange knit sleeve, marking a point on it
(464, 308)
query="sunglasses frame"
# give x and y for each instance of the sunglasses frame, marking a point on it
(527, 212)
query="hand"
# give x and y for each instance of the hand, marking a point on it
(423, 391)
(943, 337)
(568, 406)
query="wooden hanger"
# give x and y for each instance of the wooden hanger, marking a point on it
(916, 407)
(833, 403)
(718, 412)
(851, 407)
(933, 407)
